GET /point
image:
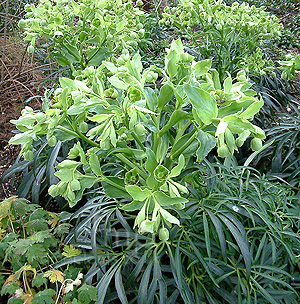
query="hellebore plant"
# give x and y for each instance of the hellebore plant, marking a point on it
(136, 130)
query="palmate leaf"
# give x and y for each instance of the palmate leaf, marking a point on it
(87, 294)
(45, 296)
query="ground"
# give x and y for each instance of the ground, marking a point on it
(20, 79)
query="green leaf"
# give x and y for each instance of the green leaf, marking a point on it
(252, 109)
(95, 164)
(169, 217)
(202, 67)
(70, 251)
(264, 293)
(116, 82)
(36, 253)
(220, 232)
(203, 102)
(15, 301)
(133, 206)
(140, 217)
(242, 243)
(137, 193)
(177, 169)
(166, 93)
(19, 206)
(36, 225)
(165, 200)
(9, 288)
(104, 283)
(207, 143)
(99, 118)
(87, 294)
(230, 141)
(120, 287)
(151, 99)
(22, 246)
(237, 125)
(40, 236)
(45, 296)
(39, 280)
(114, 191)
(176, 117)
(96, 56)
(207, 236)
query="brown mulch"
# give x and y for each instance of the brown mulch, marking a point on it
(19, 81)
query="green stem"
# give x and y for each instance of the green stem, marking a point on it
(126, 161)
(140, 144)
(181, 131)
(185, 145)
(86, 139)
(108, 181)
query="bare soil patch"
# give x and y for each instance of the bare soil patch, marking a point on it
(19, 82)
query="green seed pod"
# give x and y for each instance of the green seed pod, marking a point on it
(123, 69)
(140, 130)
(223, 151)
(139, 26)
(133, 35)
(134, 94)
(75, 185)
(53, 190)
(52, 141)
(239, 142)
(30, 49)
(43, 23)
(120, 61)
(163, 234)
(149, 77)
(256, 144)
(125, 56)
(141, 33)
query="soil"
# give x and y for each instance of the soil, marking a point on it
(19, 82)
